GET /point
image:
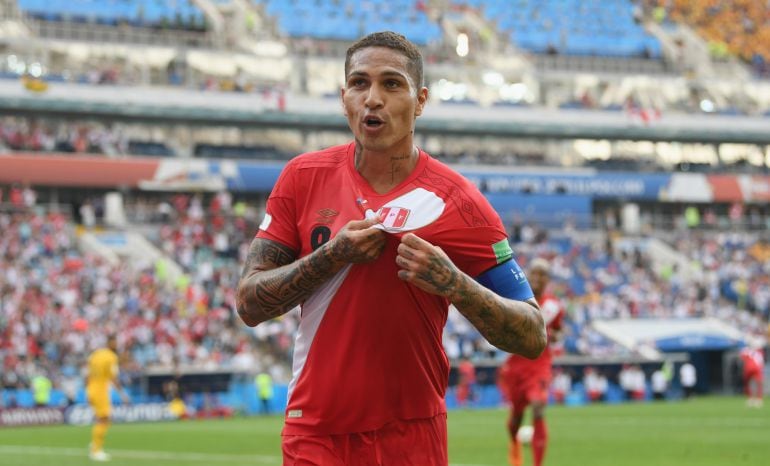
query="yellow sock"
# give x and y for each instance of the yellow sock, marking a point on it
(98, 432)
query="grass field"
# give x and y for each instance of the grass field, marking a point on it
(710, 431)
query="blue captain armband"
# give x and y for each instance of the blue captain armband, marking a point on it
(507, 280)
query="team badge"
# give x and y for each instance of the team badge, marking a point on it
(394, 217)
(411, 211)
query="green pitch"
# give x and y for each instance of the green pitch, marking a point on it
(702, 432)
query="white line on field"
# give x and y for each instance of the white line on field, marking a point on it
(155, 455)
(140, 454)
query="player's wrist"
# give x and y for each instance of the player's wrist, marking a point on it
(461, 288)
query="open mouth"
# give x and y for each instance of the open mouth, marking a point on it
(373, 122)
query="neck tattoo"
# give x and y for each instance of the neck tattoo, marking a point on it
(394, 163)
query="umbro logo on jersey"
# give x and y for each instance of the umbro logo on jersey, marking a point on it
(326, 215)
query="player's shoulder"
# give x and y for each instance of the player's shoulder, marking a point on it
(330, 157)
(443, 173)
(440, 177)
(458, 191)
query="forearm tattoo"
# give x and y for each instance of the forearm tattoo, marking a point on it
(273, 283)
(512, 326)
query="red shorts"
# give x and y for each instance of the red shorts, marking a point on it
(416, 442)
(753, 376)
(527, 390)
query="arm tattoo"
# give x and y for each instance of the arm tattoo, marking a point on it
(264, 253)
(512, 326)
(273, 282)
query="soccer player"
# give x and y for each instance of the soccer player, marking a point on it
(753, 361)
(102, 374)
(525, 382)
(467, 380)
(264, 383)
(375, 239)
(688, 377)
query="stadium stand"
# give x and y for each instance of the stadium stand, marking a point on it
(739, 29)
(573, 27)
(562, 63)
(188, 324)
(53, 324)
(348, 20)
(148, 13)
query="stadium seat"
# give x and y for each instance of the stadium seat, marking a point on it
(24, 398)
(600, 28)
(113, 12)
(325, 20)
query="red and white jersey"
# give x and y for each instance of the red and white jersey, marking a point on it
(368, 349)
(753, 361)
(518, 367)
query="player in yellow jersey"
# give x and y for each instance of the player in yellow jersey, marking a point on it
(102, 374)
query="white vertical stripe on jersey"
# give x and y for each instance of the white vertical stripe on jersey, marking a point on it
(313, 312)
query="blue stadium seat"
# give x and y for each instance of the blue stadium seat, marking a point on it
(591, 27)
(614, 394)
(577, 396)
(58, 398)
(136, 12)
(24, 398)
(347, 20)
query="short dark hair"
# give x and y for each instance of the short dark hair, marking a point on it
(394, 41)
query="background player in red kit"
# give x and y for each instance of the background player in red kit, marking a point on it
(375, 239)
(753, 361)
(525, 382)
(466, 383)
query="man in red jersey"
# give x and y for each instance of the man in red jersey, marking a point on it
(374, 239)
(753, 361)
(524, 381)
(467, 380)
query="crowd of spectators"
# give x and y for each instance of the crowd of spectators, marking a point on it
(39, 135)
(58, 303)
(737, 27)
(32, 135)
(598, 280)
(735, 276)
(83, 137)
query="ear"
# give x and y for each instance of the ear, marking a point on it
(342, 101)
(422, 99)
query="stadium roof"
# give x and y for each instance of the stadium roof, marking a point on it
(685, 334)
(172, 105)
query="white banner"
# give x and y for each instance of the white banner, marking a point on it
(146, 412)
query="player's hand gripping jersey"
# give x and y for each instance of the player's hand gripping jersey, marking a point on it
(368, 349)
